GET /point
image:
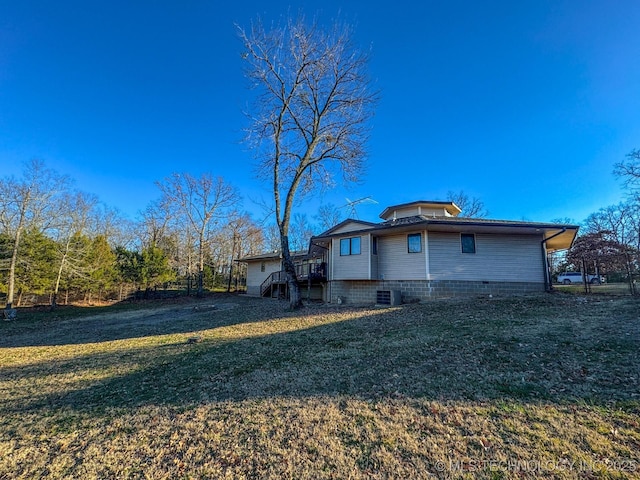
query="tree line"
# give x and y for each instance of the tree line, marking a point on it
(59, 241)
(63, 243)
(609, 241)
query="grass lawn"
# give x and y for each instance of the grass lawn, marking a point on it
(620, 288)
(235, 387)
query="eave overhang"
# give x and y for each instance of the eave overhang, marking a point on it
(563, 235)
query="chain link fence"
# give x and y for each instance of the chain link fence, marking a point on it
(613, 275)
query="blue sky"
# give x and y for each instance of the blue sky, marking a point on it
(526, 105)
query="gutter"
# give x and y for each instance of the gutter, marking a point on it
(461, 224)
(548, 285)
(316, 245)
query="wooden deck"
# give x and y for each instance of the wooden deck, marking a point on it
(275, 285)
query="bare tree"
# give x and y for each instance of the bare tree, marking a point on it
(251, 239)
(472, 207)
(271, 235)
(604, 252)
(73, 222)
(110, 223)
(201, 202)
(615, 219)
(629, 170)
(155, 223)
(244, 237)
(300, 232)
(310, 118)
(29, 202)
(328, 216)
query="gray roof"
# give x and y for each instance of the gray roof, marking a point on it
(344, 222)
(565, 233)
(417, 219)
(270, 256)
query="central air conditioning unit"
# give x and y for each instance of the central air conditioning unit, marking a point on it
(388, 297)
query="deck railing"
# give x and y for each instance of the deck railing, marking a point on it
(304, 272)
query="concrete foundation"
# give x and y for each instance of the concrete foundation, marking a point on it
(364, 291)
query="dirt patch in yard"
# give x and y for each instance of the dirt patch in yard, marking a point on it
(141, 319)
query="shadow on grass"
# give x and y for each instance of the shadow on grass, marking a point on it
(476, 351)
(119, 322)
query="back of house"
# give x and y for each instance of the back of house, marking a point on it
(424, 249)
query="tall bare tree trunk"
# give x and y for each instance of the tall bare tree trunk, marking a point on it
(311, 115)
(54, 299)
(12, 269)
(201, 263)
(295, 297)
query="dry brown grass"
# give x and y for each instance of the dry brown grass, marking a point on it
(233, 387)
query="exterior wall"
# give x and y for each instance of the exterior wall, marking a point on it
(406, 212)
(418, 210)
(502, 265)
(373, 260)
(364, 292)
(434, 212)
(498, 258)
(396, 263)
(351, 267)
(255, 275)
(351, 227)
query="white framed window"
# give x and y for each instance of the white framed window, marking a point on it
(350, 246)
(414, 243)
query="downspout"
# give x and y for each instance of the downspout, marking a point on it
(427, 266)
(370, 257)
(330, 272)
(548, 285)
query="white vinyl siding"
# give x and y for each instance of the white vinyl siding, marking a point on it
(407, 212)
(434, 212)
(350, 227)
(414, 243)
(351, 267)
(418, 210)
(498, 258)
(255, 275)
(374, 262)
(395, 263)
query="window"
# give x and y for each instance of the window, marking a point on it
(262, 267)
(374, 245)
(350, 246)
(468, 242)
(414, 243)
(345, 246)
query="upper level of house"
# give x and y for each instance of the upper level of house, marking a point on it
(428, 240)
(421, 207)
(438, 216)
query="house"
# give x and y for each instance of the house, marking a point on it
(266, 277)
(424, 250)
